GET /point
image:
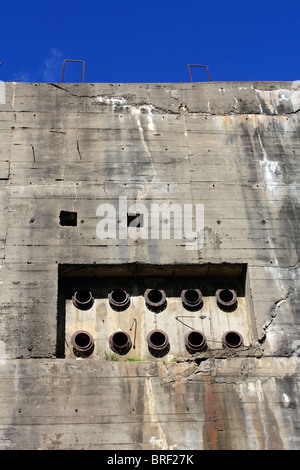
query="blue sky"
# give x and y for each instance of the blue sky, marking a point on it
(150, 41)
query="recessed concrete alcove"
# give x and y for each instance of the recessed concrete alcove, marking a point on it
(121, 310)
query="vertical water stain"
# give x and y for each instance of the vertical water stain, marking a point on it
(213, 419)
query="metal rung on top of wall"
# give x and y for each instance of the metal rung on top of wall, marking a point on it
(195, 65)
(72, 60)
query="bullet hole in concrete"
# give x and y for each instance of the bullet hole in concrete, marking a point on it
(68, 218)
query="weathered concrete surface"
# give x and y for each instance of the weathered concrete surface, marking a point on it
(239, 403)
(233, 147)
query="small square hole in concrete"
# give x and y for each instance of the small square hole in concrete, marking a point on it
(68, 218)
(135, 220)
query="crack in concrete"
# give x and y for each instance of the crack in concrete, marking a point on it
(78, 150)
(122, 102)
(274, 309)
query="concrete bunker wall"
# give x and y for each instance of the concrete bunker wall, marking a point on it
(66, 149)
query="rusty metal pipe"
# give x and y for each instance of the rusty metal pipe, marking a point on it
(119, 299)
(155, 299)
(226, 299)
(83, 343)
(158, 343)
(83, 299)
(232, 340)
(191, 299)
(120, 342)
(195, 341)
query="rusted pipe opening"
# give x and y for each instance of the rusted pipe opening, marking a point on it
(155, 296)
(83, 299)
(120, 342)
(232, 339)
(191, 299)
(155, 299)
(195, 341)
(158, 343)
(226, 299)
(119, 299)
(83, 343)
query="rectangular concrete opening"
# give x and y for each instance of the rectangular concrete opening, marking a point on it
(67, 218)
(150, 298)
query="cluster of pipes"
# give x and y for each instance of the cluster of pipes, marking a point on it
(158, 342)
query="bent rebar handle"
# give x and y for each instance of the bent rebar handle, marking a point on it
(71, 60)
(195, 65)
